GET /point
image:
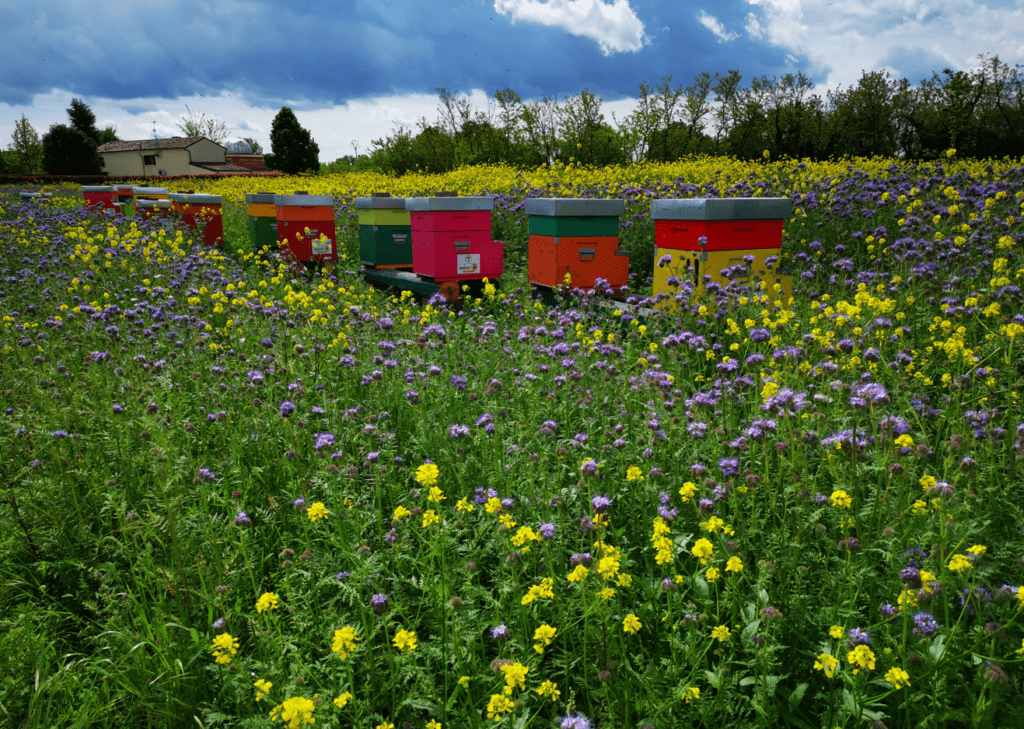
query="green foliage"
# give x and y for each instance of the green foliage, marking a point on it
(25, 153)
(68, 151)
(83, 119)
(255, 146)
(292, 149)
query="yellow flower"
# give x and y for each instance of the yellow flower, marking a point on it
(432, 724)
(631, 624)
(544, 634)
(405, 640)
(837, 631)
(430, 517)
(266, 601)
(712, 574)
(580, 572)
(721, 633)
(841, 499)
(436, 494)
(524, 535)
(606, 594)
(493, 505)
(385, 725)
(702, 550)
(716, 524)
(294, 712)
(633, 473)
(861, 657)
(960, 562)
(497, 706)
(464, 681)
(342, 701)
(344, 641)
(317, 511)
(897, 677)
(426, 475)
(463, 505)
(608, 567)
(735, 564)
(507, 521)
(977, 550)
(826, 662)
(400, 512)
(515, 675)
(691, 694)
(907, 600)
(544, 589)
(687, 491)
(927, 481)
(549, 689)
(262, 688)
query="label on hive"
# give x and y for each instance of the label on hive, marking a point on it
(321, 246)
(468, 263)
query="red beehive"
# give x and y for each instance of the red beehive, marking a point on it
(451, 238)
(725, 224)
(153, 208)
(305, 227)
(578, 238)
(100, 198)
(201, 214)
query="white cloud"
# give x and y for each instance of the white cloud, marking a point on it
(614, 26)
(715, 26)
(851, 36)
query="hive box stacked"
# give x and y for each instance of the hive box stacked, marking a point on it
(201, 214)
(451, 238)
(100, 198)
(262, 219)
(124, 199)
(152, 208)
(305, 227)
(578, 239)
(385, 235)
(704, 237)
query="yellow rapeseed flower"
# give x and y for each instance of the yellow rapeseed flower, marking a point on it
(342, 701)
(405, 640)
(317, 511)
(897, 677)
(426, 475)
(631, 624)
(266, 601)
(344, 641)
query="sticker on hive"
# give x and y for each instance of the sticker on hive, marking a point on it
(321, 246)
(468, 262)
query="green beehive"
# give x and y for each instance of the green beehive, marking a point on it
(385, 235)
(262, 220)
(564, 217)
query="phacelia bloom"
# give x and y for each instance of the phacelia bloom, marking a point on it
(547, 530)
(631, 624)
(345, 639)
(426, 475)
(501, 633)
(317, 511)
(769, 613)
(342, 576)
(287, 408)
(405, 640)
(458, 431)
(324, 440)
(574, 721)
(205, 474)
(857, 636)
(220, 624)
(266, 601)
(588, 467)
(242, 519)
(583, 559)
(379, 603)
(601, 503)
(224, 648)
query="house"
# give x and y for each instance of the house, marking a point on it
(241, 154)
(167, 157)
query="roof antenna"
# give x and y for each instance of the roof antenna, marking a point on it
(154, 129)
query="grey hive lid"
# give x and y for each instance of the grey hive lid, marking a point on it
(574, 207)
(305, 201)
(97, 188)
(731, 208)
(150, 190)
(266, 198)
(196, 198)
(380, 203)
(448, 204)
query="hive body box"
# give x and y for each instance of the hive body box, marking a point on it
(262, 219)
(578, 238)
(451, 238)
(153, 208)
(124, 199)
(100, 198)
(385, 235)
(202, 214)
(702, 237)
(148, 194)
(305, 227)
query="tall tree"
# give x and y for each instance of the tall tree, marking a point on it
(68, 151)
(83, 119)
(200, 125)
(25, 153)
(255, 146)
(108, 134)
(292, 148)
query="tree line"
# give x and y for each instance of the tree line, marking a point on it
(979, 112)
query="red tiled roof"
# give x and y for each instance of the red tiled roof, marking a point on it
(142, 144)
(249, 161)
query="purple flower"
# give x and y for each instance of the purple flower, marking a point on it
(205, 474)
(459, 382)
(287, 408)
(581, 559)
(242, 519)
(547, 530)
(99, 356)
(117, 409)
(858, 637)
(341, 576)
(887, 610)
(220, 624)
(324, 440)
(501, 633)
(299, 503)
(924, 624)
(458, 431)
(575, 721)
(601, 503)
(379, 603)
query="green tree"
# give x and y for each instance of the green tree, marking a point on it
(68, 151)
(199, 124)
(108, 134)
(25, 153)
(83, 119)
(292, 148)
(255, 146)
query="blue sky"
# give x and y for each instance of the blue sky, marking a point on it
(353, 70)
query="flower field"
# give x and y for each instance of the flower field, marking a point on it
(238, 495)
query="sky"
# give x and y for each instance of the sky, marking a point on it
(355, 70)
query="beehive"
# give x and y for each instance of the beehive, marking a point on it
(385, 234)
(153, 208)
(262, 219)
(202, 214)
(578, 239)
(305, 227)
(100, 198)
(451, 238)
